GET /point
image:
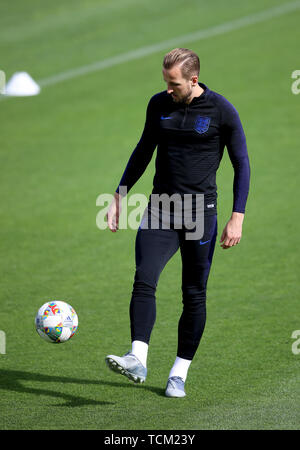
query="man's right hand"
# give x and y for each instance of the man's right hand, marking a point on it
(114, 212)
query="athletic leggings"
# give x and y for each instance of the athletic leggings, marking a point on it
(154, 248)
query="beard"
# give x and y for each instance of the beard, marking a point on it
(183, 98)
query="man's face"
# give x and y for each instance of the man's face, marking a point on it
(178, 87)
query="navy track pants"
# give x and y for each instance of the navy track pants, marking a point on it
(153, 249)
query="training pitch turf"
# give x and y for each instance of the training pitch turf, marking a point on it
(61, 149)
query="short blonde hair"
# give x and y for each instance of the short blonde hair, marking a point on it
(187, 59)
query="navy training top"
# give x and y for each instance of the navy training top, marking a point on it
(190, 140)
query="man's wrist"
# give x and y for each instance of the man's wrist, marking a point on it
(237, 216)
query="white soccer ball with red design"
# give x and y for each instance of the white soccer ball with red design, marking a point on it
(56, 322)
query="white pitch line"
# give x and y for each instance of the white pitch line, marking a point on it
(174, 42)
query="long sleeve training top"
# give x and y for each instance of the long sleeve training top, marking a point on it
(190, 140)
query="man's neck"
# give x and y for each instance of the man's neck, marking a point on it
(196, 93)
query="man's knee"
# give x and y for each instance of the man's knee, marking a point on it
(144, 284)
(194, 297)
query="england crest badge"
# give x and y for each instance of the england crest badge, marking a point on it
(202, 124)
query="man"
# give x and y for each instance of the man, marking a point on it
(190, 125)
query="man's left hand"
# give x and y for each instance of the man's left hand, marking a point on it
(232, 232)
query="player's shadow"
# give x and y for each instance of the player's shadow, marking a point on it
(129, 384)
(13, 380)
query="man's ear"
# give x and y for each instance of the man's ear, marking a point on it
(194, 80)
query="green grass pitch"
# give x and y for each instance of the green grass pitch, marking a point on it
(61, 149)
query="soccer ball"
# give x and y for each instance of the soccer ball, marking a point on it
(56, 322)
